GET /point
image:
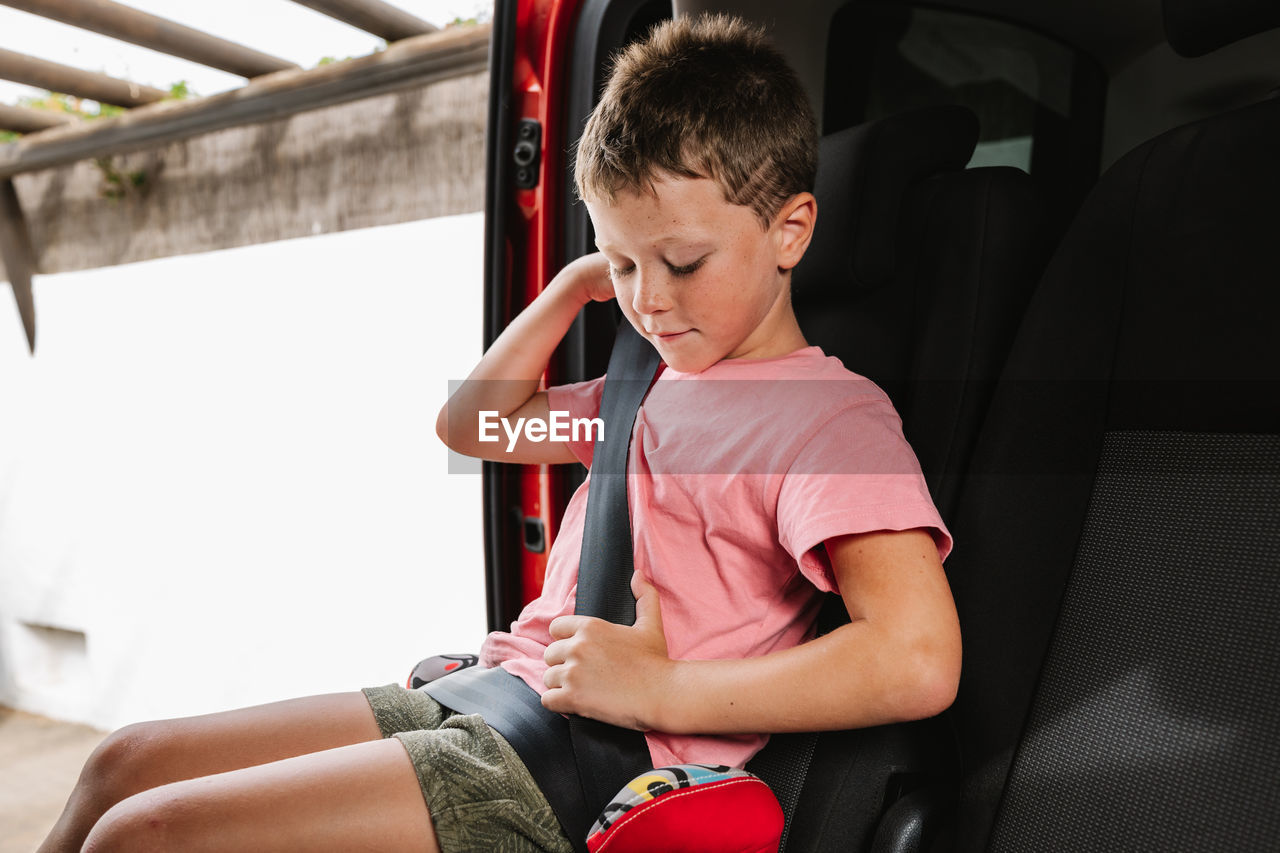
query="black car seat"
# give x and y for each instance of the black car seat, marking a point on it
(1117, 567)
(916, 278)
(919, 272)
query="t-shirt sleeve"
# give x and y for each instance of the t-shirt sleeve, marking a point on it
(856, 474)
(580, 400)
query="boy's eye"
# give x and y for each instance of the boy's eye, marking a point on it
(620, 272)
(687, 269)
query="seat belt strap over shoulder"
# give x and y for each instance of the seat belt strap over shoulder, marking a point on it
(606, 565)
(608, 757)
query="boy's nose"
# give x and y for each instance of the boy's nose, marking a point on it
(650, 294)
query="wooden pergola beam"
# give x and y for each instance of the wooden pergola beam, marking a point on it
(142, 28)
(372, 16)
(25, 120)
(56, 77)
(411, 62)
(19, 257)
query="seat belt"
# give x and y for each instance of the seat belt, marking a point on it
(607, 755)
(579, 764)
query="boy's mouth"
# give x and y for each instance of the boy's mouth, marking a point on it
(670, 336)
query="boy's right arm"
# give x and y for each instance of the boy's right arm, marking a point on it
(506, 379)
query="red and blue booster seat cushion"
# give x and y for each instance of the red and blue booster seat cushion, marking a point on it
(690, 808)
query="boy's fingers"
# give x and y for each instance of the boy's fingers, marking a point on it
(557, 699)
(553, 655)
(553, 677)
(563, 627)
(639, 585)
(648, 603)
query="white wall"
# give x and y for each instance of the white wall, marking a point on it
(219, 477)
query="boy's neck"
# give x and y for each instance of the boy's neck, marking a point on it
(785, 336)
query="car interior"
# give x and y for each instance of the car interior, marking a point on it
(1048, 231)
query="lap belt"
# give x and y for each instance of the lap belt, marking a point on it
(540, 737)
(579, 764)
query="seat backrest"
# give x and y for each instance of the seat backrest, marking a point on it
(904, 284)
(919, 272)
(1117, 566)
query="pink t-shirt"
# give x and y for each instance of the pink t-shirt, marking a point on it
(737, 476)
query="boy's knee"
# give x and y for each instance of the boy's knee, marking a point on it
(119, 767)
(150, 821)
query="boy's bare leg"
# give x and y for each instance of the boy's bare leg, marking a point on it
(148, 755)
(359, 797)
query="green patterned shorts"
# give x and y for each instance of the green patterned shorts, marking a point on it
(480, 795)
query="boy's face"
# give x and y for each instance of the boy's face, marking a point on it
(698, 276)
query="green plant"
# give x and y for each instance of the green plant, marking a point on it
(118, 184)
(81, 108)
(58, 102)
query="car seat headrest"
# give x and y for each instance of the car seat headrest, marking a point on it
(863, 174)
(1197, 27)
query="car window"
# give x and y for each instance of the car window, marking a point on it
(1038, 101)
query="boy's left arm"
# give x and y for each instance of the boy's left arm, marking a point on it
(897, 659)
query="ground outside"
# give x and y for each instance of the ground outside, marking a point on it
(40, 760)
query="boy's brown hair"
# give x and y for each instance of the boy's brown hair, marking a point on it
(704, 97)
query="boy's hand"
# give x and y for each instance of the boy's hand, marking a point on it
(589, 276)
(613, 673)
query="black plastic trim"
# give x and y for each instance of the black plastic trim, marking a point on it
(499, 541)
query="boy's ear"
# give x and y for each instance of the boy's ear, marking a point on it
(795, 223)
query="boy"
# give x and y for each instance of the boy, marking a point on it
(696, 169)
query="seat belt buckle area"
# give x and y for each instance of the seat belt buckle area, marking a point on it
(429, 669)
